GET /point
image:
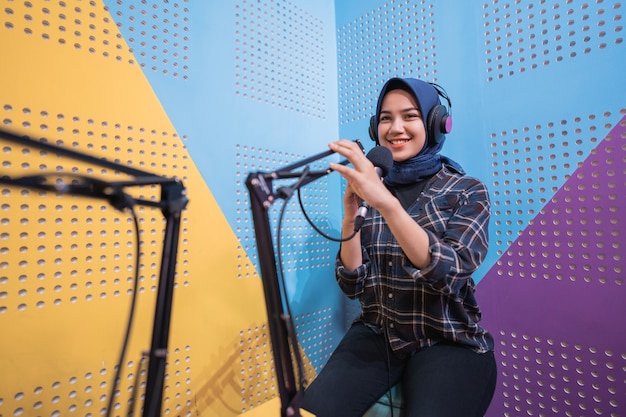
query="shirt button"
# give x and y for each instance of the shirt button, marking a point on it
(390, 295)
(391, 325)
(389, 263)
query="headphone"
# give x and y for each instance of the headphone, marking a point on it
(438, 121)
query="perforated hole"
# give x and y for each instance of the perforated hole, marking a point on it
(280, 56)
(522, 35)
(395, 39)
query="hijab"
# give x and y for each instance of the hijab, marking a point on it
(428, 161)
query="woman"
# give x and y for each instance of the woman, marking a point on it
(411, 267)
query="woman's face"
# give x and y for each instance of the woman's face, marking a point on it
(400, 125)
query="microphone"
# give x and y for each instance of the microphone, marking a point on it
(383, 161)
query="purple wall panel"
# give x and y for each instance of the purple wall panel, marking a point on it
(556, 300)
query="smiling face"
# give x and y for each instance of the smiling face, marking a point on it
(400, 125)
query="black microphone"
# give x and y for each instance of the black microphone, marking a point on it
(383, 161)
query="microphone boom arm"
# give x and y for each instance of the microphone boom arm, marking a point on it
(262, 196)
(173, 201)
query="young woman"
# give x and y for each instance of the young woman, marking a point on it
(410, 266)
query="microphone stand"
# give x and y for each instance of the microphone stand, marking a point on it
(280, 324)
(173, 201)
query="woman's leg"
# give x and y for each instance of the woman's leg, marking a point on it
(448, 380)
(355, 376)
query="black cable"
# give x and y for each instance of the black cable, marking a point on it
(92, 187)
(288, 320)
(131, 315)
(287, 193)
(306, 216)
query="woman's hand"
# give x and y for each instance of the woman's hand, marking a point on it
(363, 181)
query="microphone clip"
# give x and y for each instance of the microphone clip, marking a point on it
(360, 215)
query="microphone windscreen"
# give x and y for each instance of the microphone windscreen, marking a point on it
(381, 157)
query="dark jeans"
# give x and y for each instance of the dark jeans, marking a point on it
(445, 380)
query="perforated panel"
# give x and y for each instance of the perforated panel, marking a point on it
(527, 35)
(64, 252)
(558, 192)
(565, 355)
(280, 56)
(531, 163)
(258, 376)
(395, 39)
(302, 247)
(556, 377)
(315, 333)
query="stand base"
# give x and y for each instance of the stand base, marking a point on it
(271, 409)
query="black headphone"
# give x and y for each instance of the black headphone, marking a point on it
(438, 122)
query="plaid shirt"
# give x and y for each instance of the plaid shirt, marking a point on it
(420, 307)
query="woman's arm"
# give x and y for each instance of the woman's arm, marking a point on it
(364, 183)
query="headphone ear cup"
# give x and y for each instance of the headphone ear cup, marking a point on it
(373, 129)
(439, 123)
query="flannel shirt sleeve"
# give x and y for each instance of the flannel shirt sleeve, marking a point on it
(462, 245)
(352, 282)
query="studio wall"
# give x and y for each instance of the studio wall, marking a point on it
(208, 92)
